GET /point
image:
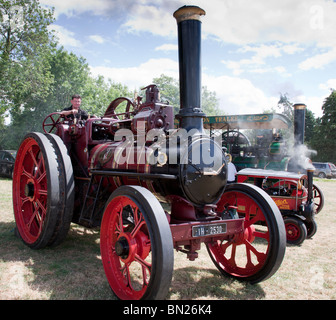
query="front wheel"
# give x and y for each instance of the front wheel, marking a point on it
(136, 245)
(257, 253)
(296, 230)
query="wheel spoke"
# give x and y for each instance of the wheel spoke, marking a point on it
(139, 222)
(126, 275)
(146, 266)
(263, 235)
(39, 169)
(250, 248)
(37, 218)
(34, 215)
(232, 259)
(24, 200)
(119, 223)
(26, 174)
(43, 192)
(30, 151)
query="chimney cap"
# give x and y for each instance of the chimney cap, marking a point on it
(299, 106)
(188, 13)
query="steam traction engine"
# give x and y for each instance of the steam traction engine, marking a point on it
(294, 192)
(150, 188)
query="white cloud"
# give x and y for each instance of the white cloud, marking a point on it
(239, 96)
(236, 95)
(313, 103)
(330, 84)
(97, 38)
(238, 21)
(74, 7)
(244, 21)
(257, 63)
(319, 61)
(167, 47)
(151, 19)
(66, 37)
(141, 75)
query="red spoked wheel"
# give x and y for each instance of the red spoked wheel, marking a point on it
(116, 109)
(40, 194)
(257, 253)
(51, 122)
(136, 245)
(296, 230)
(318, 198)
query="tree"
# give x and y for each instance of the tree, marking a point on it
(285, 106)
(310, 124)
(69, 75)
(24, 46)
(210, 102)
(169, 91)
(99, 93)
(324, 137)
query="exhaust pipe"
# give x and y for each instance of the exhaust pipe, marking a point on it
(189, 47)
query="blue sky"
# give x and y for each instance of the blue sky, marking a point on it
(251, 50)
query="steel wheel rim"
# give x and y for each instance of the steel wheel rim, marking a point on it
(30, 191)
(225, 253)
(126, 250)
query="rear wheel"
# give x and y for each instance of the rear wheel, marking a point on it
(136, 245)
(318, 198)
(257, 253)
(39, 196)
(67, 183)
(311, 228)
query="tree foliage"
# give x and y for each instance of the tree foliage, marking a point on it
(169, 91)
(25, 43)
(324, 137)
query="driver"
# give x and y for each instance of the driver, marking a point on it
(74, 111)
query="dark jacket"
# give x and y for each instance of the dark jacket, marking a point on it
(81, 115)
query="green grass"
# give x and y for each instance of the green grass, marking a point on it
(74, 270)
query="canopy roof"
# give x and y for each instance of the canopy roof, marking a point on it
(248, 121)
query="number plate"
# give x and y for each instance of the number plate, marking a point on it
(207, 230)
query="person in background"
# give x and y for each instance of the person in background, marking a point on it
(74, 111)
(232, 171)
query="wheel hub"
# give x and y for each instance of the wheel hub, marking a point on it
(247, 235)
(122, 248)
(292, 231)
(29, 190)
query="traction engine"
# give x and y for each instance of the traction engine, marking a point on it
(149, 187)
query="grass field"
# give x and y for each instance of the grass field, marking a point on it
(74, 270)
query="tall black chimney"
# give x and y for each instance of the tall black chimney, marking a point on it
(299, 123)
(189, 44)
